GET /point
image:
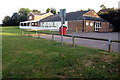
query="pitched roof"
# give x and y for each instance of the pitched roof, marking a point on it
(39, 13)
(94, 19)
(104, 11)
(72, 16)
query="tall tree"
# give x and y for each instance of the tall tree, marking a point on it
(6, 21)
(52, 10)
(113, 16)
(103, 7)
(24, 11)
(15, 19)
(47, 10)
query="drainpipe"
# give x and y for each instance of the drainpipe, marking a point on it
(83, 24)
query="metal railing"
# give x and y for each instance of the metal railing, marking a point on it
(73, 38)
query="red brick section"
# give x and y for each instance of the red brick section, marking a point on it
(32, 17)
(72, 25)
(89, 28)
(105, 27)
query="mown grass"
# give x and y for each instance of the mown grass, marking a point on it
(29, 57)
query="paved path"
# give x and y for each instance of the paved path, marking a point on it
(110, 35)
(89, 43)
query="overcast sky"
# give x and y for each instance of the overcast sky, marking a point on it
(8, 7)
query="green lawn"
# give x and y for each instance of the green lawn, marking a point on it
(29, 57)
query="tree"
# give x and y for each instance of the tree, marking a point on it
(22, 18)
(113, 16)
(47, 10)
(35, 10)
(15, 19)
(24, 11)
(6, 21)
(103, 7)
(52, 10)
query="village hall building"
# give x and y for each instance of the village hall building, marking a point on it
(79, 21)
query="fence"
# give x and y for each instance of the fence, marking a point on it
(73, 38)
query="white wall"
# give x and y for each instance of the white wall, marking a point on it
(53, 24)
(46, 26)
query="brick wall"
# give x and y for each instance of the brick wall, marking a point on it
(75, 25)
(89, 26)
(105, 27)
(32, 17)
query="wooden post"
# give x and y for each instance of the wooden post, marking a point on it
(109, 45)
(73, 40)
(28, 34)
(22, 33)
(39, 35)
(36, 32)
(52, 37)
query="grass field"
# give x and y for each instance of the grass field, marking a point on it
(29, 57)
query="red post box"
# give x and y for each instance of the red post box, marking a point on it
(63, 30)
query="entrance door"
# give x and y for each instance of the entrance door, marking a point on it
(97, 26)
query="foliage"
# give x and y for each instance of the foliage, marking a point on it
(113, 16)
(52, 10)
(6, 21)
(29, 57)
(103, 7)
(16, 18)
(24, 11)
(47, 10)
(35, 10)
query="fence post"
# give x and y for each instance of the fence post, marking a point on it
(73, 40)
(38, 36)
(62, 39)
(28, 34)
(52, 37)
(36, 32)
(109, 45)
(22, 32)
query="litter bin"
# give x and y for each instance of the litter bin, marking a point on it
(63, 30)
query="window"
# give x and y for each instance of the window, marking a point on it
(35, 23)
(32, 23)
(87, 23)
(91, 24)
(97, 24)
(30, 17)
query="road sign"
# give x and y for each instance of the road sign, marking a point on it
(62, 13)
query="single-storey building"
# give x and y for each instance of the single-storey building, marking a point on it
(80, 21)
(33, 20)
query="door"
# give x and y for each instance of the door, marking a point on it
(97, 26)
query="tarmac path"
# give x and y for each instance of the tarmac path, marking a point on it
(87, 42)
